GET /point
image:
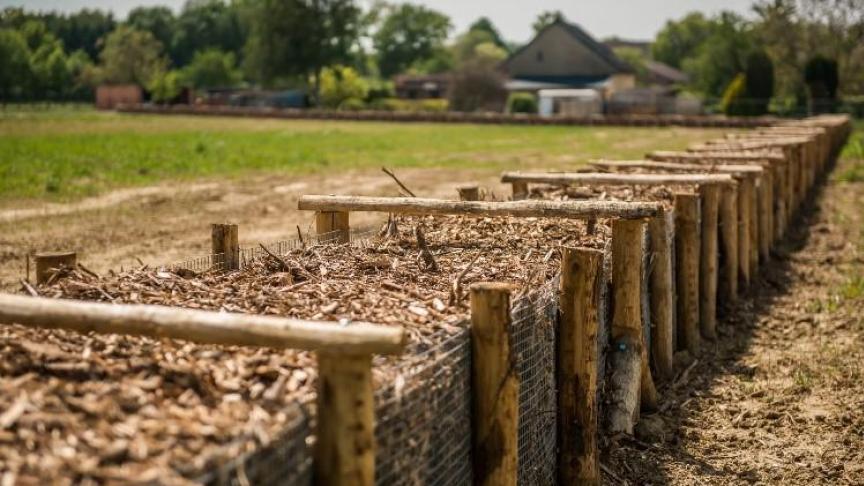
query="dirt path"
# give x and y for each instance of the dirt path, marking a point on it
(167, 223)
(780, 398)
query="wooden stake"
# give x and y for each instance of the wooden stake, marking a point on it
(225, 241)
(728, 219)
(745, 193)
(335, 223)
(344, 436)
(662, 295)
(710, 199)
(469, 193)
(630, 381)
(765, 210)
(48, 263)
(753, 225)
(687, 251)
(581, 273)
(495, 387)
(583, 178)
(520, 190)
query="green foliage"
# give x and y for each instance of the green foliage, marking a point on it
(483, 24)
(636, 59)
(476, 87)
(209, 24)
(681, 39)
(409, 34)
(14, 64)
(721, 56)
(759, 82)
(297, 38)
(341, 83)
(166, 86)
(522, 103)
(131, 56)
(212, 68)
(157, 20)
(546, 19)
(734, 102)
(821, 76)
(352, 104)
(431, 105)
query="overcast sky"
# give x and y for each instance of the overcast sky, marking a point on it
(630, 19)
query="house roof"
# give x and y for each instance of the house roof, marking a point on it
(666, 71)
(599, 49)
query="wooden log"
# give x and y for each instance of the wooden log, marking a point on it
(753, 224)
(745, 194)
(469, 193)
(765, 212)
(630, 384)
(199, 326)
(581, 178)
(734, 169)
(225, 244)
(531, 208)
(344, 451)
(495, 387)
(581, 275)
(728, 220)
(717, 157)
(710, 201)
(334, 226)
(662, 295)
(520, 190)
(49, 262)
(687, 253)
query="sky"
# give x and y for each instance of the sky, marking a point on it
(629, 19)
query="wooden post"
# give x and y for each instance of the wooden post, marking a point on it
(745, 193)
(47, 263)
(520, 190)
(764, 218)
(662, 295)
(495, 387)
(630, 381)
(335, 223)
(753, 225)
(728, 284)
(581, 274)
(687, 250)
(469, 193)
(345, 422)
(225, 241)
(710, 195)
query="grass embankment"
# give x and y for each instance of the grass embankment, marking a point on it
(63, 154)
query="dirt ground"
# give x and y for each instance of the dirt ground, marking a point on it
(167, 223)
(780, 398)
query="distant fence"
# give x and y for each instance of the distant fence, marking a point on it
(715, 121)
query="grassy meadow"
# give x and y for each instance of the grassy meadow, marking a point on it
(64, 154)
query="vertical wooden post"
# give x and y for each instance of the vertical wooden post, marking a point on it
(764, 210)
(745, 192)
(520, 190)
(662, 295)
(345, 440)
(469, 193)
(48, 262)
(336, 222)
(495, 387)
(753, 225)
(780, 201)
(225, 241)
(728, 285)
(578, 459)
(630, 382)
(687, 250)
(710, 200)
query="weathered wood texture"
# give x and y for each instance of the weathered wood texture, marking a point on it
(468, 193)
(579, 458)
(734, 169)
(745, 194)
(336, 224)
(225, 241)
(570, 178)
(687, 251)
(728, 232)
(199, 326)
(48, 262)
(662, 237)
(710, 201)
(539, 209)
(344, 427)
(495, 387)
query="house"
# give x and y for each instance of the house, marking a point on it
(408, 86)
(564, 56)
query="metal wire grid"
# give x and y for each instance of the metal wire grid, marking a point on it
(534, 327)
(287, 460)
(423, 419)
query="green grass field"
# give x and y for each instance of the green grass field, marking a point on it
(64, 154)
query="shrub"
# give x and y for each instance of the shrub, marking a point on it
(822, 80)
(733, 103)
(340, 83)
(759, 83)
(522, 103)
(352, 104)
(477, 88)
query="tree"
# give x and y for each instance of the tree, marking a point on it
(721, 56)
(296, 38)
(759, 82)
(546, 19)
(51, 78)
(408, 35)
(14, 64)
(340, 84)
(206, 24)
(165, 86)
(681, 39)
(483, 24)
(475, 87)
(131, 56)
(465, 49)
(634, 57)
(159, 21)
(212, 68)
(822, 78)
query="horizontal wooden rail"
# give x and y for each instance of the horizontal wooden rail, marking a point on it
(739, 169)
(770, 156)
(537, 209)
(569, 178)
(199, 326)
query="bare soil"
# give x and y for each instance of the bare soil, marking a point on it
(779, 399)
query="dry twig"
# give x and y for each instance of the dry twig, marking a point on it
(393, 176)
